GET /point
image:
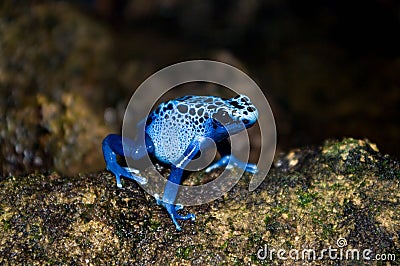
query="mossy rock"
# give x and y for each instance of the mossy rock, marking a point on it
(309, 200)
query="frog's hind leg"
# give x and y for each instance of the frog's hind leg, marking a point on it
(173, 213)
(112, 146)
(228, 160)
(172, 186)
(170, 192)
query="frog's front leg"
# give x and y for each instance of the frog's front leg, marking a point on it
(226, 157)
(113, 146)
(171, 188)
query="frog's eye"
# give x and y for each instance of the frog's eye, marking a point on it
(222, 117)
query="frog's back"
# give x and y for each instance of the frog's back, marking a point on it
(175, 123)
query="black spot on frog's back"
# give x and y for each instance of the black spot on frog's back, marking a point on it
(200, 111)
(182, 108)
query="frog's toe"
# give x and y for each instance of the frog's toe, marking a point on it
(175, 217)
(127, 172)
(177, 226)
(178, 207)
(229, 161)
(158, 199)
(119, 171)
(190, 216)
(172, 211)
(131, 170)
(251, 168)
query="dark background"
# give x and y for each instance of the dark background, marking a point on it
(330, 68)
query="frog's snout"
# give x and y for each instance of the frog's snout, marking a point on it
(246, 110)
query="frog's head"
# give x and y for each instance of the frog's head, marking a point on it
(234, 114)
(243, 110)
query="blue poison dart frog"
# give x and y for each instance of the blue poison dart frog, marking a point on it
(174, 132)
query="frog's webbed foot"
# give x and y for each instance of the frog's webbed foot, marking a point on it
(112, 146)
(224, 161)
(173, 212)
(119, 171)
(251, 168)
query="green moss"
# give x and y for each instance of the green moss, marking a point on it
(6, 225)
(338, 148)
(224, 245)
(305, 198)
(154, 224)
(254, 240)
(184, 252)
(267, 220)
(327, 231)
(281, 208)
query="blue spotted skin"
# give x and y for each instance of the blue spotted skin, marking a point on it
(174, 132)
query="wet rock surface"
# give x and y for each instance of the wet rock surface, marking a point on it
(311, 198)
